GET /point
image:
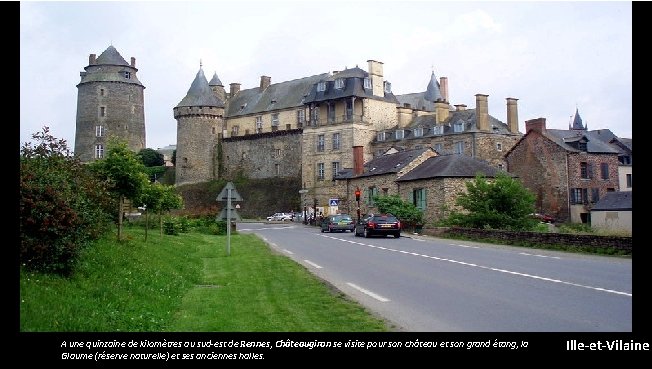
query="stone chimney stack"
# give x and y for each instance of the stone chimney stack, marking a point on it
(441, 111)
(482, 112)
(376, 76)
(91, 59)
(443, 87)
(265, 81)
(512, 115)
(538, 124)
(133, 62)
(460, 107)
(358, 160)
(234, 89)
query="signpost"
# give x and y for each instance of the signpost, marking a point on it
(228, 194)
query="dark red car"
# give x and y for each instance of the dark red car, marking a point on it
(543, 218)
(378, 224)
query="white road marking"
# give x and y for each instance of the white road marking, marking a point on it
(366, 292)
(313, 264)
(288, 252)
(471, 247)
(496, 269)
(540, 256)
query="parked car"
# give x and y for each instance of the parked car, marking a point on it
(337, 223)
(378, 224)
(543, 217)
(278, 217)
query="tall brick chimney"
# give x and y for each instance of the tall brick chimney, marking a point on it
(234, 88)
(133, 62)
(265, 81)
(512, 115)
(91, 59)
(376, 76)
(538, 124)
(482, 112)
(358, 160)
(443, 87)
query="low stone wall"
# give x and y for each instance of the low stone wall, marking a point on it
(580, 240)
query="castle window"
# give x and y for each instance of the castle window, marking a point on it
(320, 143)
(331, 113)
(99, 151)
(459, 147)
(128, 75)
(339, 83)
(288, 126)
(399, 134)
(234, 130)
(336, 141)
(629, 180)
(586, 170)
(458, 127)
(349, 110)
(581, 145)
(388, 87)
(578, 196)
(500, 167)
(380, 136)
(213, 130)
(277, 169)
(102, 111)
(419, 198)
(321, 86)
(604, 170)
(277, 153)
(595, 195)
(314, 118)
(336, 168)
(499, 146)
(373, 192)
(418, 132)
(274, 119)
(320, 170)
(259, 124)
(439, 148)
(99, 131)
(438, 130)
(367, 83)
(301, 117)
(101, 92)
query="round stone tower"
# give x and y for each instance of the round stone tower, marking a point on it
(110, 103)
(200, 116)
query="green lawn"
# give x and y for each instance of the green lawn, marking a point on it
(187, 283)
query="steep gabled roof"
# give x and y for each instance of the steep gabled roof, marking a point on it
(613, 201)
(564, 138)
(390, 163)
(200, 94)
(353, 86)
(276, 96)
(449, 166)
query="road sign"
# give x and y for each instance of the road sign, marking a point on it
(234, 215)
(333, 202)
(223, 196)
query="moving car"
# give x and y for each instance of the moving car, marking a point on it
(277, 217)
(337, 222)
(378, 224)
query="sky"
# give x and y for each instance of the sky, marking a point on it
(554, 57)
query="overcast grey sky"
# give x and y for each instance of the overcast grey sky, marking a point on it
(552, 56)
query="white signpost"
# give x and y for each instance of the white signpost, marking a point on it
(228, 194)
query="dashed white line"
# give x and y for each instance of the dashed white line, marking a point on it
(313, 264)
(497, 269)
(540, 256)
(369, 293)
(459, 245)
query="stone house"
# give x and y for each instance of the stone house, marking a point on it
(613, 212)
(568, 170)
(430, 181)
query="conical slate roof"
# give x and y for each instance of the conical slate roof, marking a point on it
(200, 93)
(111, 56)
(577, 121)
(215, 81)
(432, 91)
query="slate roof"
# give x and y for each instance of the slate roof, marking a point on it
(565, 138)
(433, 93)
(200, 94)
(110, 66)
(613, 201)
(577, 121)
(287, 94)
(448, 166)
(417, 101)
(391, 163)
(353, 86)
(215, 81)
(111, 56)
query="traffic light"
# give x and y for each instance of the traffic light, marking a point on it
(357, 194)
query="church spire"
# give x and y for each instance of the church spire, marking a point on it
(577, 122)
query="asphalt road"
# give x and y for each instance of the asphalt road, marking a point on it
(427, 284)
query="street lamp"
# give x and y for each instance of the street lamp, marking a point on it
(304, 191)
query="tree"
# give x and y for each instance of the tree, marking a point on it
(405, 211)
(62, 205)
(157, 198)
(123, 174)
(151, 158)
(501, 204)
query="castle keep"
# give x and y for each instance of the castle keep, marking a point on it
(110, 103)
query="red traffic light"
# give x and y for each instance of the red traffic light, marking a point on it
(357, 194)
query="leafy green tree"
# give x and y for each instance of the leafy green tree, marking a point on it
(405, 211)
(503, 203)
(62, 205)
(157, 198)
(151, 158)
(123, 174)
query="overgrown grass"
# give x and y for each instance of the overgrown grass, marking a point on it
(186, 283)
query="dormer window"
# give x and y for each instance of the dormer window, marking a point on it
(438, 130)
(128, 75)
(339, 83)
(399, 134)
(380, 136)
(581, 145)
(458, 126)
(388, 87)
(367, 83)
(243, 106)
(321, 86)
(418, 132)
